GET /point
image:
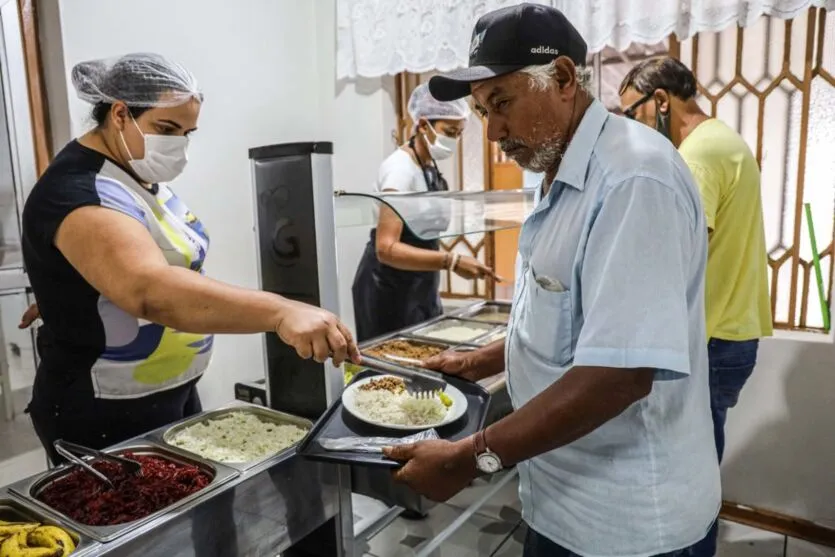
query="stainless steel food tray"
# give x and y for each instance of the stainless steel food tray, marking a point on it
(499, 333)
(421, 331)
(403, 362)
(501, 311)
(12, 510)
(28, 489)
(166, 434)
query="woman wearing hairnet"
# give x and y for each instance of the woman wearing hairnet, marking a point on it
(115, 260)
(397, 281)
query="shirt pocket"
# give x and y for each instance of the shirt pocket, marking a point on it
(547, 323)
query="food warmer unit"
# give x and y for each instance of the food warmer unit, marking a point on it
(266, 507)
(284, 504)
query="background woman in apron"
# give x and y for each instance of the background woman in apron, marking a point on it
(397, 280)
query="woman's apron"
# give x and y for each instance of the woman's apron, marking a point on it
(388, 299)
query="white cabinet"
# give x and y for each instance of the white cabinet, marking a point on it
(17, 175)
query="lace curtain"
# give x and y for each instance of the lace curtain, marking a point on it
(379, 37)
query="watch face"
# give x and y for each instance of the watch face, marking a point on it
(488, 463)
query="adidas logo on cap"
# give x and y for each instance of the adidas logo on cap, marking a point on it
(545, 50)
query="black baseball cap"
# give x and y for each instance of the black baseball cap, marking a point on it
(509, 39)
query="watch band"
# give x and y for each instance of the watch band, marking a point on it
(480, 442)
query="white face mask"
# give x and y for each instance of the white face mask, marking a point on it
(165, 157)
(443, 147)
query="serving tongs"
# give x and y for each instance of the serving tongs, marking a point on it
(70, 451)
(420, 383)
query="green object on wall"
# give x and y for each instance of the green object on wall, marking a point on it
(817, 262)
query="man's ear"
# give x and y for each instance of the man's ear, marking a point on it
(662, 100)
(565, 72)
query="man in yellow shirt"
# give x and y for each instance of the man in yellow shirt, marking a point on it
(661, 93)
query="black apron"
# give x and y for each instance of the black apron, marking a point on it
(388, 299)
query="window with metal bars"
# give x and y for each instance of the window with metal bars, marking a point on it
(773, 82)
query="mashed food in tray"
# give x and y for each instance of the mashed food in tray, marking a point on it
(405, 349)
(237, 437)
(386, 401)
(456, 332)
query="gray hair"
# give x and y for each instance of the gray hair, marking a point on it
(542, 76)
(661, 72)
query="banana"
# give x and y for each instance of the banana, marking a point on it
(12, 528)
(51, 537)
(27, 550)
(42, 544)
(38, 538)
(9, 547)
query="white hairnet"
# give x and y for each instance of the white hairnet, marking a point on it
(141, 80)
(423, 105)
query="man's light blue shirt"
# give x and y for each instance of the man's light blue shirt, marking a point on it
(610, 273)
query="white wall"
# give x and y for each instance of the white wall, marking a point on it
(780, 446)
(267, 71)
(359, 117)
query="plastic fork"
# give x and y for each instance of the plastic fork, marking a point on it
(423, 395)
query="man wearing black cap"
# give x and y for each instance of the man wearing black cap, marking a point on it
(606, 350)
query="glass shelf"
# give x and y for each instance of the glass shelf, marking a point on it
(435, 215)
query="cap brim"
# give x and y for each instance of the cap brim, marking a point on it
(456, 84)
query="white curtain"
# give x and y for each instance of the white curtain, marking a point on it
(379, 37)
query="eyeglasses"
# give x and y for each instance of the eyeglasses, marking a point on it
(630, 111)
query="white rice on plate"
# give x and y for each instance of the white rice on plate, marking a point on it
(237, 437)
(386, 407)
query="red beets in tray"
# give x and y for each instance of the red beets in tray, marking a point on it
(87, 500)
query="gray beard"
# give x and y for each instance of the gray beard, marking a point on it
(544, 158)
(547, 156)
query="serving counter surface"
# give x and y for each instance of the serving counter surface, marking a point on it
(261, 509)
(264, 510)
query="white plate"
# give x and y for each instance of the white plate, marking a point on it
(458, 408)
